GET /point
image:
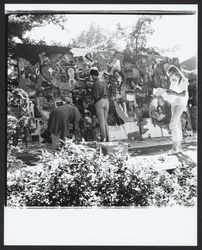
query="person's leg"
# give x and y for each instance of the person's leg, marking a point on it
(173, 130)
(100, 115)
(175, 126)
(46, 135)
(139, 115)
(180, 111)
(55, 139)
(106, 111)
(64, 131)
(140, 130)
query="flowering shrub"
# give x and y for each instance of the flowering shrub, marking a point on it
(79, 176)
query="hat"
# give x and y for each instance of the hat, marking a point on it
(173, 69)
(94, 71)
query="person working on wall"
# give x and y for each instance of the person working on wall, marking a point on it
(101, 103)
(59, 120)
(177, 95)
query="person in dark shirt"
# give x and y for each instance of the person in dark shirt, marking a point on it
(59, 120)
(101, 103)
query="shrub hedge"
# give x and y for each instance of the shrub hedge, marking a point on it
(79, 176)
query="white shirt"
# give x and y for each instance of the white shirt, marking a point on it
(182, 86)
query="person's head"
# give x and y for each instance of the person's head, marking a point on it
(94, 73)
(66, 96)
(116, 54)
(68, 99)
(174, 74)
(88, 56)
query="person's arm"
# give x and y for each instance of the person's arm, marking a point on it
(141, 95)
(96, 91)
(184, 88)
(172, 92)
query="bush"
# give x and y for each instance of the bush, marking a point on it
(79, 176)
(20, 116)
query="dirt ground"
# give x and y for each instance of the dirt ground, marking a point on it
(153, 150)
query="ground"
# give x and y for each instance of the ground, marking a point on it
(152, 150)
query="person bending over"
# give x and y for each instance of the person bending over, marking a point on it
(60, 119)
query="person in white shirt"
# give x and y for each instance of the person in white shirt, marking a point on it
(177, 95)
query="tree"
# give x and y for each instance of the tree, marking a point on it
(17, 26)
(95, 36)
(140, 33)
(134, 37)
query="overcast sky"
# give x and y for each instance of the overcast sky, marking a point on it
(170, 31)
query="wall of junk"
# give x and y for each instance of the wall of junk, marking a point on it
(49, 73)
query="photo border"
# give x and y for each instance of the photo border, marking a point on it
(3, 119)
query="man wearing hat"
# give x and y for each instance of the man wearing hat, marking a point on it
(101, 103)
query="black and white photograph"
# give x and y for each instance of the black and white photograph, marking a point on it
(101, 109)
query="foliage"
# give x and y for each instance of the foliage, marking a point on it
(18, 25)
(95, 37)
(134, 37)
(12, 162)
(79, 176)
(140, 33)
(19, 116)
(191, 76)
